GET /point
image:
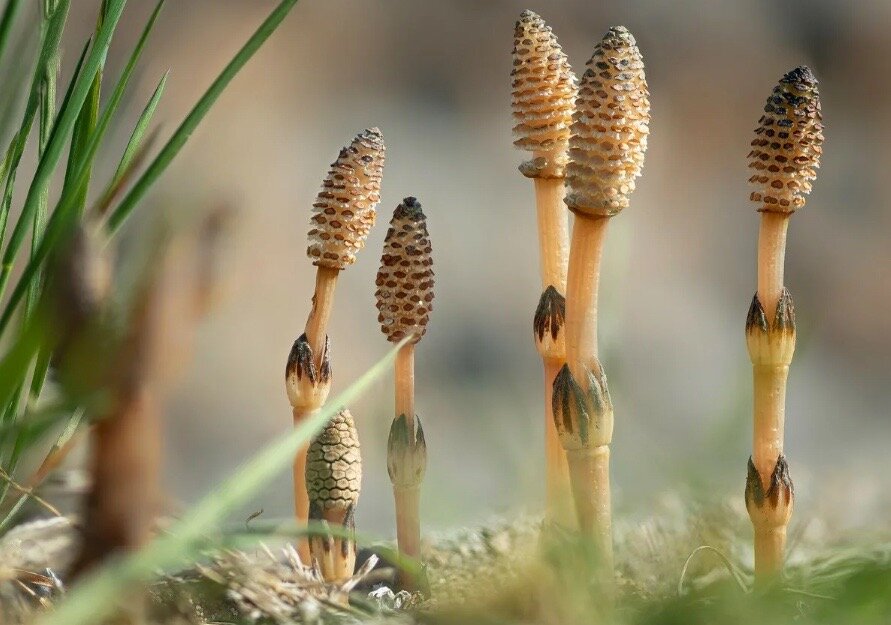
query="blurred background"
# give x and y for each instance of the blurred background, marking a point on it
(679, 265)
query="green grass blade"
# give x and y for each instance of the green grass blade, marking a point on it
(62, 129)
(114, 187)
(68, 206)
(85, 124)
(83, 130)
(48, 50)
(6, 200)
(97, 595)
(47, 109)
(6, 21)
(17, 70)
(181, 135)
(11, 403)
(139, 131)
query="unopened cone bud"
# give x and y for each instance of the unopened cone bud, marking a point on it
(344, 210)
(788, 144)
(333, 482)
(609, 129)
(405, 279)
(307, 385)
(543, 97)
(334, 465)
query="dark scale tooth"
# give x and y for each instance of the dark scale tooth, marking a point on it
(567, 396)
(784, 319)
(550, 314)
(781, 486)
(610, 127)
(543, 92)
(756, 319)
(344, 210)
(754, 487)
(788, 144)
(405, 278)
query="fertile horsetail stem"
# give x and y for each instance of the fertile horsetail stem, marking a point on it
(543, 99)
(785, 154)
(343, 214)
(606, 150)
(333, 481)
(404, 302)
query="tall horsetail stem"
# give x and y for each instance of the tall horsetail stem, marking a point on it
(543, 91)
(343, 214)
(606, 152)
(404, 302)
(784, 156)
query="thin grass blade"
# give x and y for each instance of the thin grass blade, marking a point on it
(62, 129)
(89, 131)
(98, 594)
(6, 21)
(48, 51)
(182, 134)
(68, 208)
(139, 131)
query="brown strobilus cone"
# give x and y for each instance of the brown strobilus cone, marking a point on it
(343, 214)
(606, 152)
(543, 93)
(333, 482)
(404, 301)
(785, 153)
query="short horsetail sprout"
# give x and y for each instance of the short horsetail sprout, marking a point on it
(343, 214)
(125, 442)
(404, 302)
(785, 153)
(543, 98)
(606, 151)
(333, 481)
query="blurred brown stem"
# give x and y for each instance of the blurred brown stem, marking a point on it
(125, 465)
